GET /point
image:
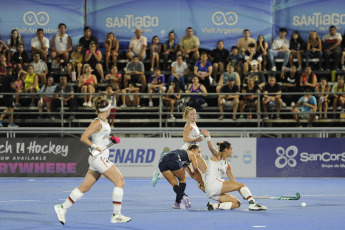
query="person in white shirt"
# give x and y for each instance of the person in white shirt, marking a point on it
(40, 44)
(332, 47)
(61, 44)
(179, 70)
(137, 46)
(280, 49)
(40, 68)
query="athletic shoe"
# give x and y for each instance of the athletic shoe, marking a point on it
(12, 125)
(186, 201)
(138, 106)
(60, 212)
(1, 125)
(85, 104)
(211, 206)
(257, 207)
(178, 206)
(274, 68)
(123, 106)
(150, 103)
(89, 104)
(172, 116)
(119, 219)
(155, 178)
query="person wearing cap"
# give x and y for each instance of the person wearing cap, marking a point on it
(249, 55)
(257, 75)
(279, 49)
(231, 99)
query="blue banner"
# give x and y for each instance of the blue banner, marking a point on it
(307, 157)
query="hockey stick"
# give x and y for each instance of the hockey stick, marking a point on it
(279, 197)
(113, 140)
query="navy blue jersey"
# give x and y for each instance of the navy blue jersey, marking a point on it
(179, 155)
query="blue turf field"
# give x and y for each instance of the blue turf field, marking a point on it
(27, 203)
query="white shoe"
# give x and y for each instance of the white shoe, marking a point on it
(151, 69)
(274, 68)
(299, 69)
(211, 206)
(344, 67)
(119, 219)
(257, 207)
(292, 104)
(60, 212)
(123, 106)
(283, 104)
(155, 178)
(172, 116)
(178, 206)
(138, 106)
(85, 104)
(186, 201)
(89, 104)
(150, 103)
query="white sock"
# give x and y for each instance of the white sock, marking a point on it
(245, 192)
(75, 195)
(225, 205)
(117, 200)
(160, 175)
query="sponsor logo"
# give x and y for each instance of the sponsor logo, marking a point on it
(229, 18)
(30, 18)
(286, 157)
(318, 19)
(129, 21)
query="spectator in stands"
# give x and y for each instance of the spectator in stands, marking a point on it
(172, 99)
(3, 64)
(76, 63)
(203, 70)
(309, 105)
(63, 92)
(249, 100)
(93, 57)
(47, 96)
(40, 67)
(137, 46)
(297, 48)
(40, 44)
(110, 95)
(189, 45)
(314, 48)
(249, 55)
(156, 84)
(198, 101)
(219, 57)
(290, 83)
(280, 49)
(308, 80)
(259, 78)
(231, 100)
(242, 43)
(111, 45)
(19, 84)
(272, 96)
(224, 78)
(235, 59)
(135, 72)
(262, 47)
(61, 44)
(155, 50)
(3, 47)
(87, 39)
(130, 99)
(87, 84)
(179, 71)
(8, 87)
(114, 78)
(20, 59)
(343, 52)
(13, 43)
(170, 49)
(324, 89)
(31, 83)
(339, 99)
(332, 48)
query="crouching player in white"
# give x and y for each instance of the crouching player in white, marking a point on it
(217, 188)
(99, 131)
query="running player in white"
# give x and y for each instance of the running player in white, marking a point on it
(217, 188)
(99, 131)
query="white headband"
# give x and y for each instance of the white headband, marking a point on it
(106, 108)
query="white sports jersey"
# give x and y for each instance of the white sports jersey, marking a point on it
(61, 44)
(194, 133)
(101, 138)
(216, 169)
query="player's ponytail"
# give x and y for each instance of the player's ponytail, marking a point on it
(223, 145)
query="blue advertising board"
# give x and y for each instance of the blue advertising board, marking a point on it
(302, 157)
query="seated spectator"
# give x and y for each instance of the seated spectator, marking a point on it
(179, 70)
(47, 96)
(40, 67)
(40, 44)
(250, 55)
(203, 70)
(314, 48)
(324, 89)
(249, 100)
(308, 80)
(87, 39)
(19, 84)
(20, 59)
(87, 84)
(309, 105)
(170, 49)
(189, 45)
(172, 99)
(130, 99)
(135, 72)
(137, 46)
(3, 65)
(332, 48)
(156, 84)
(110, 95)
(197, 101)
(339, 99)
(272, 97)
(297, 47)
(258, 76)
(93, 57)
(231, 100)
(242, 43)
(61, 44)
(111, 45)
(31, 83)
(219, 57)
(67, 97)
(114, 78)
(262, 47)
(290, 84)
(235, 59)
(13, 44)
(280, 49)
(224, 78)
(3, 47)
(155, 50)
(77, 59)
